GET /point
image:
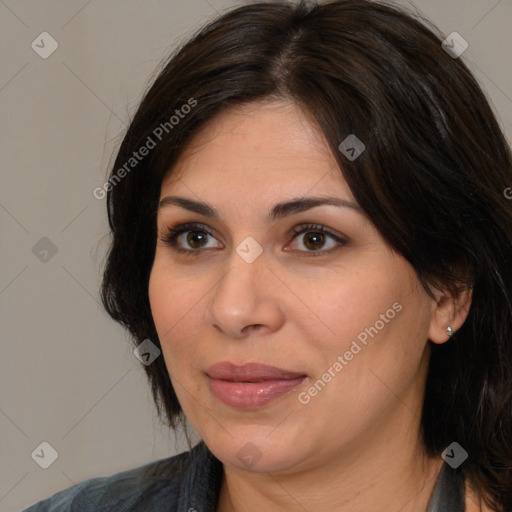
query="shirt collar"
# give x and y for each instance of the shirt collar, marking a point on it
(200, 486)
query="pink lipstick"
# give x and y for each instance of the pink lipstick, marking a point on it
(251, 385)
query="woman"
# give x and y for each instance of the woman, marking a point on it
(310, 222)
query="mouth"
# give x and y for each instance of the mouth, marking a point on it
(251, 385)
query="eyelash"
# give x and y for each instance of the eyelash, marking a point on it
(173, 233)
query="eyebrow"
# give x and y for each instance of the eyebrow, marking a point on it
(279, 211)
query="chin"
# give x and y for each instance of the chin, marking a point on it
(256, 448)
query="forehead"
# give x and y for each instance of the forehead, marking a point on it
(254, 149)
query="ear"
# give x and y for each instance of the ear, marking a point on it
(448, 311)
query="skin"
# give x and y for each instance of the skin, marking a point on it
(354, 447)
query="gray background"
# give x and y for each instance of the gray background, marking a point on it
(68, 374)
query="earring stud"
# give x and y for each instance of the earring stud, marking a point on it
(449, 331)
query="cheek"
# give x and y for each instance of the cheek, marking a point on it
(372, 321)
(175, 306)
(349, 308)
(358, 373)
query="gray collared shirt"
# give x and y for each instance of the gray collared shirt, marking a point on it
(188, 482)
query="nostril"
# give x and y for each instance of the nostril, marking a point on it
(252, 327)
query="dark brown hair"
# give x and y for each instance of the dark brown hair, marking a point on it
(431, 179)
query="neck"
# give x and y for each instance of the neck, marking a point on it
(387, 490)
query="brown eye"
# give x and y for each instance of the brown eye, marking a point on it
(190, 239)
(196, 239)
(314, 240)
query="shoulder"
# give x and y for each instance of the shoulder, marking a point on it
(139, 489)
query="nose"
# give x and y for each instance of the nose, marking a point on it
(246, 299)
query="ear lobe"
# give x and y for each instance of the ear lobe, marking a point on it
(449, 311)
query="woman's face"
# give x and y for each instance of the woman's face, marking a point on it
(309, 288)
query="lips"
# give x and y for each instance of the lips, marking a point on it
(251, 385)
(251, 372)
